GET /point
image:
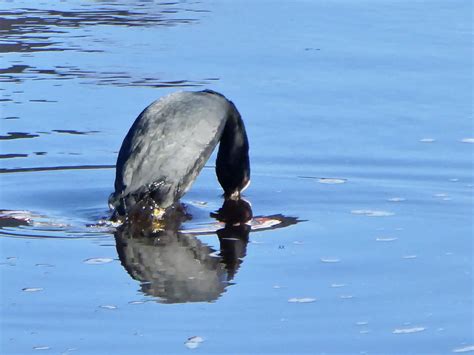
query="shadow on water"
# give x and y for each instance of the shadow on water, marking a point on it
(178, 267)
(18, 135)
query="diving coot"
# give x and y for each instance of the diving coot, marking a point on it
(169, 143)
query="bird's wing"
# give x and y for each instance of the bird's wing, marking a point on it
(169, 143)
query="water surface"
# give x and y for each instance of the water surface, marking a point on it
(359, 116)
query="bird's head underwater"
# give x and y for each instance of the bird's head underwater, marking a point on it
(168, 145)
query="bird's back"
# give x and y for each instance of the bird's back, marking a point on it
(168, 145)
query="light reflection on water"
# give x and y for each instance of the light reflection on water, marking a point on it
(29, 30)
(34, 29)
(359, 121)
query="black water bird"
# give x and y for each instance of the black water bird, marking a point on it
(169, 143)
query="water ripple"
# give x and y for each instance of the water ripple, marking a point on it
(35, 30)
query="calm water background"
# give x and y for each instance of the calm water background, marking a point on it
(359, 116)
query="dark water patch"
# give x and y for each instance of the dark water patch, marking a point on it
(14, 69)
(40, 153)
(41, 100)
(10, 156)
(8, 221)
(73, 131)
(20, 73)
(18, 135)
(197, 10)
(11, 118)
(28, 47)
(153, 83)
(55, 168)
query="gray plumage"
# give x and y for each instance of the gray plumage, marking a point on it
(169, 143)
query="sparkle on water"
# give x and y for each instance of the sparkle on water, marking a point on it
(302, 300)
(408, 330)
(194, 342)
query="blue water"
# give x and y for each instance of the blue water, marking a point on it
(359, 116)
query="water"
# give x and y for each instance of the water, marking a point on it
(359, 116)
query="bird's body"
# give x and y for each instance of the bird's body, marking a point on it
(169, 143)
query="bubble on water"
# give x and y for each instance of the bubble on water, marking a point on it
(385, 239)
(346, 297)
(454, 180)
(372, 213)
(409, 256)
(32, 289)
(362, 323)
(467, 140)
(464, 349)
(441, 195)
(193, 342)
(297, 242)
(427, 140)
(97, 261)
(408, 330)
(108, 306)
(136, 302)
(337, 285)
(41, 347)
(396, 199)
(302, 300)
(364, 331)
(330, 260)
(331, 181)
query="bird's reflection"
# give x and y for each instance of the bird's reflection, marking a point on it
(178, 267)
